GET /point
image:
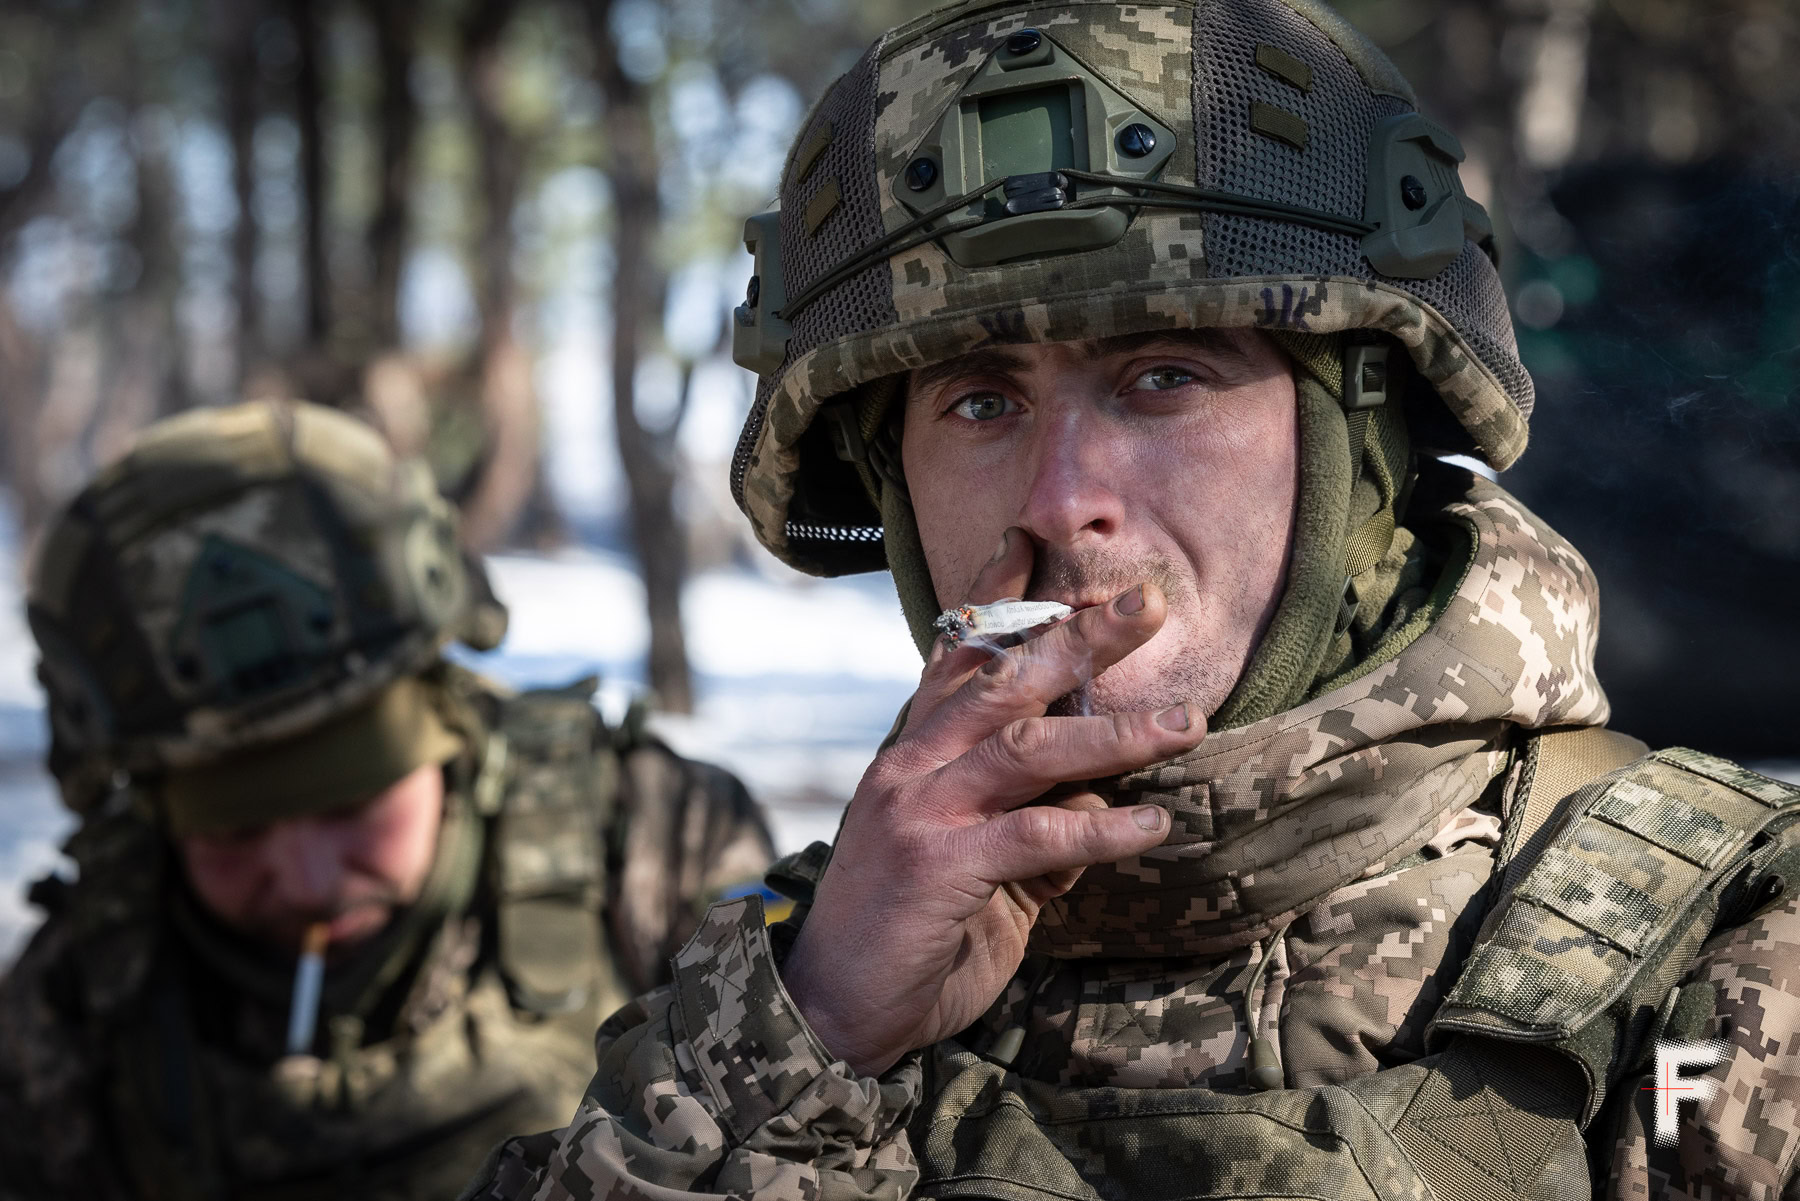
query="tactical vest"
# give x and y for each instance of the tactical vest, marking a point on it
(509, 1051)
(1616, 866)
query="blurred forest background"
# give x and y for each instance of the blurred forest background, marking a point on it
(507, 232)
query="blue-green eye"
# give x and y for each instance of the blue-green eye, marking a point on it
(982, 406)
(1161, 379)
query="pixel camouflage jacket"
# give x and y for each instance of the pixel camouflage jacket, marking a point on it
(1368, 819)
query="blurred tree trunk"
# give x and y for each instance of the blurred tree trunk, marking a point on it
(509, 475)
(141, 379)
(632, 160)
(236, 58)
(25, 360)
(397, 121)
(309, 99)
(22, 367)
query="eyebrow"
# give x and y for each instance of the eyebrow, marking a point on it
(990, 359)
(994, 360)
(1213, 341)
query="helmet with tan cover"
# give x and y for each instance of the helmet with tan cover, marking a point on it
(1008, 172)
(240, 577)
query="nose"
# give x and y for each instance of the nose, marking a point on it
(1071, 498)
(305, 865)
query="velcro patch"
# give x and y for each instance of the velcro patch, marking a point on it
(815, 146)
(1279, 124)
(822, 205)
(1284, 66)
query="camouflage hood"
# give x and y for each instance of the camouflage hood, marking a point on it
(1270, 817)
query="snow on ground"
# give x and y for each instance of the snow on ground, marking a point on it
(797, 681)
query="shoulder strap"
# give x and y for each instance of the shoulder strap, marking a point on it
(1557, 762)
(1611, 902)
(548, 867)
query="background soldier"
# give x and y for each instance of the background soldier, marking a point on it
(1166, 312)
(241, 624)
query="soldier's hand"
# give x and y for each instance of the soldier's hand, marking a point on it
(943, 862)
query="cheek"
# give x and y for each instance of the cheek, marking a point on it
(224, 877)
(396, 838)
(962, 507)
(1227, 494)
(957, 544)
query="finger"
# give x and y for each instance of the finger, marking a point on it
(1004, 575)
(1023, 680)
(1040, 890)
(1040, 840)
(1027, 757)
(947, 668)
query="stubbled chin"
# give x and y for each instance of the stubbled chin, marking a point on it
(1151, 686)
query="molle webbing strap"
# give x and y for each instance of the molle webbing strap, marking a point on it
(1607, 914)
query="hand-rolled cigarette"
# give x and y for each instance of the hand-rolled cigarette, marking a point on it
(997, 620)
(309, 980)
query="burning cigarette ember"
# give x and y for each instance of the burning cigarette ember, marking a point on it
(982, 623)
(309, 979)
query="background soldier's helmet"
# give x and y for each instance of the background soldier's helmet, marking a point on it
(239, 577)
(1043, 172)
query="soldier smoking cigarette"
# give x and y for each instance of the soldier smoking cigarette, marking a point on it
(981, 625)
(309, 977)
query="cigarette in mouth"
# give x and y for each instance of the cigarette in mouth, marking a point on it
(998, 620)
(309, 978)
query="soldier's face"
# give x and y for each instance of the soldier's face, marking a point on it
(1172, 458)
(351, 869)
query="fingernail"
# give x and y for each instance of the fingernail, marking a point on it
(1175, 717)
(1149, 817)
(1130, 602)
(1000, 551)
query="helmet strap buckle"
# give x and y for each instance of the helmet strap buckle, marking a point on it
(1366, 376)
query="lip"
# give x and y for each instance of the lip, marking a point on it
(352, 926)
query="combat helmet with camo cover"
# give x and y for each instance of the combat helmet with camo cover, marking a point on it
(1008, 172)
(241, 576)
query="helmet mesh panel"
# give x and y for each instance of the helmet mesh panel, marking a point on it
(1329, 174)
(866, 300)
(1468, 292)
(1339, 110)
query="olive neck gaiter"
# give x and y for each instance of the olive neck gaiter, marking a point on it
(1269, 817)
